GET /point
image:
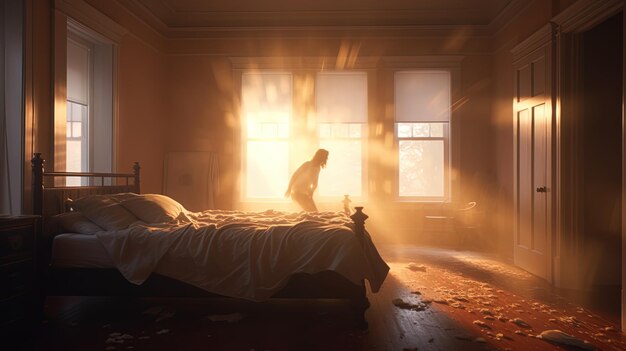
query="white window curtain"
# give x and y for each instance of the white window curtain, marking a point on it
(12, 124)
(341, 108)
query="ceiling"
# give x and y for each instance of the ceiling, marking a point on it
(179, 14)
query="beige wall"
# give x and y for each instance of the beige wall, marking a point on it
(142, 121)
(177, 95)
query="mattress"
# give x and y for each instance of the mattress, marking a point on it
(80, 251)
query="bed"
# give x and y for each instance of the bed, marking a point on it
(251, 256)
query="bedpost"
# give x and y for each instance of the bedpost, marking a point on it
(136, 172)
(37, 166)
(360, 303)
(359, 223)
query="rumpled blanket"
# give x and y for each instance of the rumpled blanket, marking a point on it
(249, 255)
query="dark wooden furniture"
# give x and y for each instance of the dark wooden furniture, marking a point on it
(18, 273)
(49, 197)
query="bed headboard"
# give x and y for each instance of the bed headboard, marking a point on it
(51, 189)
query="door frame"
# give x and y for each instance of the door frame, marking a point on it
(570, 24)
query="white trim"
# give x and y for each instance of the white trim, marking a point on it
(89, 17)
(298, 63)
(584, 14)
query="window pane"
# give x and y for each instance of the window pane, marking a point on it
(340, 130)
(267, 169)
(77, 129)
(254, 130)
(421, 170)
(343, 173)
(73, 160)
(404, 130)
(436, 130)
(355, 130)
(270, 130)
(421, 130)
(325, 130)
(283, 130)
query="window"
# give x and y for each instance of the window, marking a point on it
(87, 139)
(422, 132)
(78, 91)
(272, 150)
(266, 115)
(341, 110)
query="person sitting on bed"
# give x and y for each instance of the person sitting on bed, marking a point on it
(303, 182)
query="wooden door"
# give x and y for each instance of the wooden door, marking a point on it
(533, 119)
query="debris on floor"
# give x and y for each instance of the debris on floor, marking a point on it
(230, 318)
(559, 337)
(118, 338)
(160, 312)
(416, 267)
(406, 305)
(163, 331)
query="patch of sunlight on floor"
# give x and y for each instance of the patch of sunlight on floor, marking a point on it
(496, 302)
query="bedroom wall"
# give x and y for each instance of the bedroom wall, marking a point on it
(142, 121)
(202, 111)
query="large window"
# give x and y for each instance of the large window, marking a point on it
(266, 115)
(341, 110)
(335, 119)
(79, 89)
(86, 143)
(422, 100)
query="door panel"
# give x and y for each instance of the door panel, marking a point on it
(533, 114)
(525, 182)
(539, 180)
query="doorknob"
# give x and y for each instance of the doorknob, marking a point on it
(542, 189)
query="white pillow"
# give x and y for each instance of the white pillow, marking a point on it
(75, 222)
(105, 212)
(154, 208)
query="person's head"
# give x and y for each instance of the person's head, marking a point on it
(320, 157)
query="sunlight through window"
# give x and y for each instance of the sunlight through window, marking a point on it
(266, 111)
(422, 132)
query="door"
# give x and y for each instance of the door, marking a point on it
(533, 119)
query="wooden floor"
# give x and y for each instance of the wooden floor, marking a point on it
(444, 300)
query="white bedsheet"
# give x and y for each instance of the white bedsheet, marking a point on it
(244, 254)
(80, 250)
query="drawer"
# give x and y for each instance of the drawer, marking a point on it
(16, 243)
(16, 279)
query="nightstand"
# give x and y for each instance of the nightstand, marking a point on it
(18, 273)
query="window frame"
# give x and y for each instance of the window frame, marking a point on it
(299, 67)
(364, 138)
(244, 139)
(452, 64)
(446, 162)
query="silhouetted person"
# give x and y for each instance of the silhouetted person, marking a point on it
(303, 182)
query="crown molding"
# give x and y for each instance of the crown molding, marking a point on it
(422, 31)
(299, 63)
(584, 14)
(427, 61)
(539, 39)
(506, 16)
(90, 17)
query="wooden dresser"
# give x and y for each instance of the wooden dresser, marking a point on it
(18, 274)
